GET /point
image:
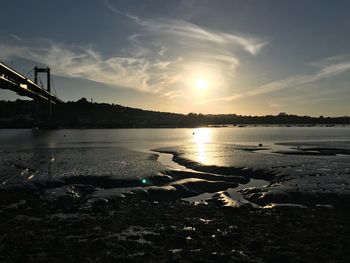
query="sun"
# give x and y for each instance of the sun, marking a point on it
(201, 84)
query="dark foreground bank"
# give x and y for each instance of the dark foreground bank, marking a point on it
(130, 229)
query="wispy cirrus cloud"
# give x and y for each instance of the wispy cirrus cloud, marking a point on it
(222, 99)
(159, 56)
(326, 70)
(86, 63)
(313, 94)
(185, 33)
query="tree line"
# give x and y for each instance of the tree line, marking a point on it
(85, 114)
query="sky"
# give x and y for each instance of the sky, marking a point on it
(249, 57)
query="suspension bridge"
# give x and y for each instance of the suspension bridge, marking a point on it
(12, 80)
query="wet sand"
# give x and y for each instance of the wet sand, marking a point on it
(70, 229)
(145, 211)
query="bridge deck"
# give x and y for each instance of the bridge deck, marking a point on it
(12, 80)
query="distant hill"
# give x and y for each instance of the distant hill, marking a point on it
(83, 114)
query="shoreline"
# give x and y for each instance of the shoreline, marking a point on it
(240, 126)
(93, 218)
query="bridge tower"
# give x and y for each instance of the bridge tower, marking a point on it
(46, 70)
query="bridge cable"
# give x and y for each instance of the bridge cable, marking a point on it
(41, 83)
(30, 71)
(54, 88)
(27, 75)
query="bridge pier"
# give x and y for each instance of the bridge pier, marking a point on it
(43, 111)
(41, 108)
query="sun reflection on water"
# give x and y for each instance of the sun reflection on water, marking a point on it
(201, 137)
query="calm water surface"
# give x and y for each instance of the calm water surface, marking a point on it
(36, 154)
(146, 139)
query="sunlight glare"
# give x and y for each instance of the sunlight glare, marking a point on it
(201, 137)
(201, 83)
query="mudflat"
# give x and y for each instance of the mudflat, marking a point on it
(69, 229)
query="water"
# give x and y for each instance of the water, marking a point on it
(27, 155)
(145, 139)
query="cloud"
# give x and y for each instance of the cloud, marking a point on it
(158, 58)
(313, 95)
(324, 62)
(172, 94)
(226, 98)
(147, 75)
(14, 36)
(185, 33)
(327, 70)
